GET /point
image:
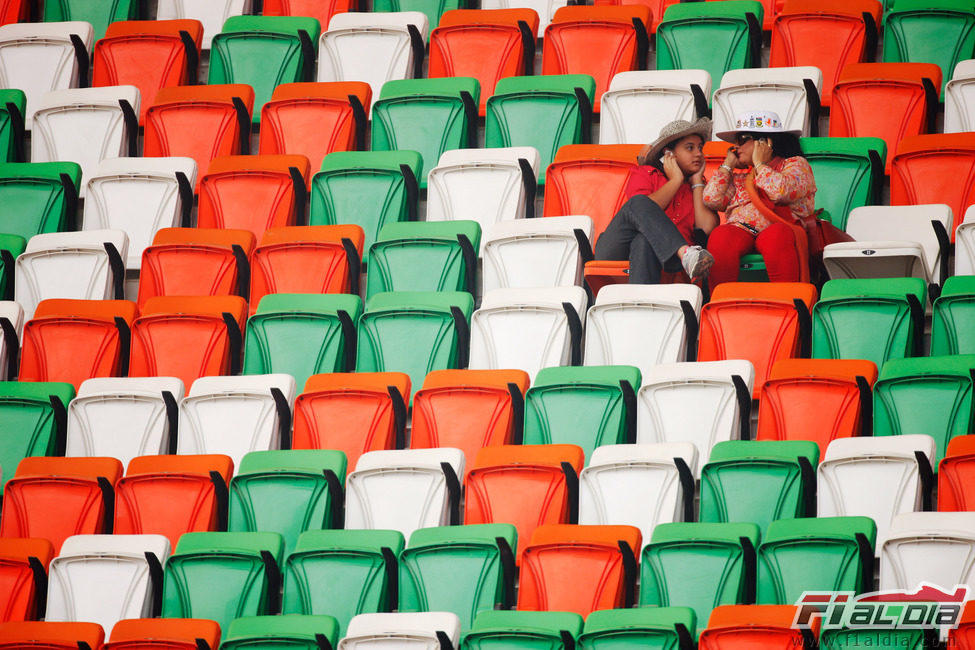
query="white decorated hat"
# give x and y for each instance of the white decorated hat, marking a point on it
(756, 122)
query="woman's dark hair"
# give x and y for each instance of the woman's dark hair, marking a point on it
(785, 145)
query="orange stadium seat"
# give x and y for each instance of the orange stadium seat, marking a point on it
(14, 11)
(164, 634)
(956, 476)
(746, 627)
(657, 8)
(23, 577)
(51, 635)
(322, 10)
(963, 636)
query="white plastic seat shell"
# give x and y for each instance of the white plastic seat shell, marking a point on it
(400, 631)
(534, 253)
(640, 102)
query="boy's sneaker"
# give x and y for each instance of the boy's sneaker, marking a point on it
(697, 262)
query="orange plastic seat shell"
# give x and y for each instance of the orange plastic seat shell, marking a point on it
(323, 10)
(598, 41)
(303, 259)
(567, 567)
(196, 121)
(963, 636)
(590, 179)
(351, 412)
(312, 119)
(170, 495)
(466, 409)
(956, 477)
(829, 34)
(74, 340)
(54, 498)
(184, 337)
(50, 635)
(193, 262)
(756, 321)
(163, 634)
(745, 627)
(482, 43)
(14, 11)
(17, 586)
(147, 54)
(656, 7)
(813, 399)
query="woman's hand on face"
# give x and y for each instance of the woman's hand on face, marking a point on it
(671, 168)
(762, 153)
(731, 159)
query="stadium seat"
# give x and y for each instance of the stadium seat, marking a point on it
(86, 125)
(364, 562)
(302, 335)
(402, 631)
(306, 259)
(321, 10)
(643, 325)
(479, 559)
(188, 337)
(374, 47)
(704, 403)
(314, 119)
(55, 498)
(817, 399)
(523, 630)
(536, 253)
(487, 44)
(949, 335)
(588, 406)
(579, 568)
(196, 262)
(965, 240)
(172, 495)
(876, 477)
(236, 415)
(199, 122)
(164, 634)
(590, 180)
(15, 11)
(699, 565)
(528, 329)
(469, 409)
(38, 58)
(873, 319)
(366, 188)
(23, 576)
(124, 417)
(33, 421)
(308, 632)
(11, 247)
(958, 98)
(213, 16)
(262, 52)
(885, 100)
(638, 485)
(11, 334)
(920, 164)
(424, 256)
(42, 197)
(734, 627)
(404, 489)
(815, 554)
(929, 547)
(828, 34)
(759, 481)
(106, 578)
(99, 16)
(792, 93)
(717, 37)
(732, 321)
(432, 9)
(848, 171)
(641, 627)
(53, 636)
(414, 332)
(162, 187)
(75, 340)
(13, 103)
(955, 485)
(223, 576)
(544, 112)
(288, 492)
(147, 54)
(524, 485)
(638, 103)
(352, 412)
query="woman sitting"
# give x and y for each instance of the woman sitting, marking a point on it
(781, 179)
(654, 228)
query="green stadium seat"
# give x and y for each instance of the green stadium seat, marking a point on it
(302, 335)
(295, 632)
(428, 116)
(262, 52)
(99, 14)
(657, 628)
(366, 188)
(699, 565)
(545, 112)
(414, 332)
(830, 554)
(223, 576)
(39, 197)
(759, 481)
(11, 246)
(461, 569)
(288, 492)
(360, 564)
(433, 9)
(424, 256)
(872, 319)
(515, 630)
(950, 332)
(13, 104)
(589, 406)
(33, 421)
(849, 173)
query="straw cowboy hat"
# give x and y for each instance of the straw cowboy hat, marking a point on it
(674, 131)
(760, 122)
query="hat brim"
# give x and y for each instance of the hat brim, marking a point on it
(701, 127)
(729, 136)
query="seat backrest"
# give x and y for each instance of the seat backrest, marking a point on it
(847, 172)
(785, 91)
(522, 629)
(12, 324)
(163, 633)
(957, 98)
(42, 196)
(954, 475)
(406, 630)
(293, 631)
(639, 103)
(535, 252)
(633, 628)
(928, 547)
(99, 16)
(948, 335)
(23, 575)
(738, 627)
(322, 11)
(54, 635)
(213, 16)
